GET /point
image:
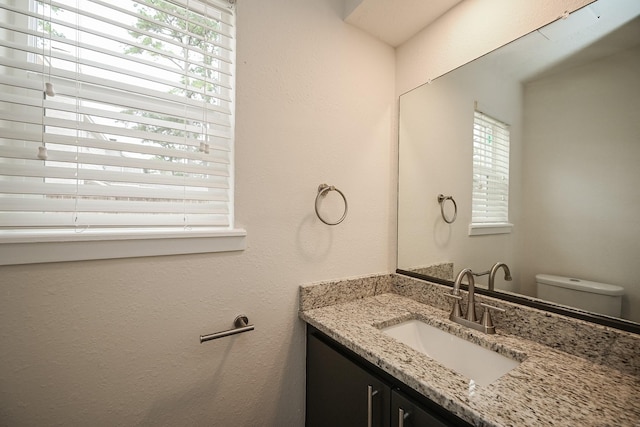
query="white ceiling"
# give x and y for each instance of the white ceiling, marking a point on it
(395, 21)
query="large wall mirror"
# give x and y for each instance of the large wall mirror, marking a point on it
(569, 95)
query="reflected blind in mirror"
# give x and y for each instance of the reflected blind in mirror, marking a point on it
(490, 196)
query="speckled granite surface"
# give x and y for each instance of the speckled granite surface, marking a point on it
(442, 270)
(555, 385)
(315, 295)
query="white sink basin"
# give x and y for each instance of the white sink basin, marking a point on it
(477, 363)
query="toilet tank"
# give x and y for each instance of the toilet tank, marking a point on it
(602, 298)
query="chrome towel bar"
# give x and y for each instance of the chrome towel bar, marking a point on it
(241, 323)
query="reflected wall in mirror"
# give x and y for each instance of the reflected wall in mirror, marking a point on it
(570, 93)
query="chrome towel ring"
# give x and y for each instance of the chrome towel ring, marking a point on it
(441, 199)
(323, 190)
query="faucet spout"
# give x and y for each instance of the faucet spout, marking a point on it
(471, 303)
(459, 277)
(494, 271)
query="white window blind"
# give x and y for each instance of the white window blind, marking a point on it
(490, 196)
(116, 114)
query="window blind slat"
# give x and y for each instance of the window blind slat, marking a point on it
(496, 181)
(489, 202)
(88, 220)
(129, 117)
(111, 131)
(73, 157)
(20, 135)
(496, 198)
(18, 82)
(100, 191)
(218, 154)
(83, 174)
(486, 208)
(20, 117)
(112, 206)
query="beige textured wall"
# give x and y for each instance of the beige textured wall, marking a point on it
(108, 343)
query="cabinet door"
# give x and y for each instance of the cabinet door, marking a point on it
(405, 413)
(341, 393)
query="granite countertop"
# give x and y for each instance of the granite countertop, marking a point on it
(549, 388)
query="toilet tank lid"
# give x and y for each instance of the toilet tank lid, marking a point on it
(580, 285)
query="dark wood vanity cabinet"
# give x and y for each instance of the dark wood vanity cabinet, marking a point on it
(341, 393)
(344, 390)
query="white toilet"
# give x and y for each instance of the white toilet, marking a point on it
(597, 297)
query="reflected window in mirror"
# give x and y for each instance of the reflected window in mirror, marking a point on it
(490, 195)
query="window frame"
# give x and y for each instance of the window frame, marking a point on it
(478, 228)
(40, 245)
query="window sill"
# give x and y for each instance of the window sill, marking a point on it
(485, 229)
(38, 246)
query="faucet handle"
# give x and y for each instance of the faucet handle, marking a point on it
(488, 307)
(456, 310)
(486, 317)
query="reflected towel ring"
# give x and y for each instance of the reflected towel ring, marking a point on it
(441, 199)
(323, 189)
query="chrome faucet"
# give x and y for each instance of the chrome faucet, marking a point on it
(492, 274)
(469, 319)
(494, 271)
(471, 303)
